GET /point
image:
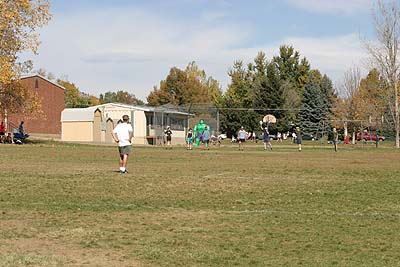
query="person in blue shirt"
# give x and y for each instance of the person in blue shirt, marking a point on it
(206, 137)
(21, 129)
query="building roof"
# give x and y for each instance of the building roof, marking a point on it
(25, 76)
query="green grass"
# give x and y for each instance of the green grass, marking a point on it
(65, 205)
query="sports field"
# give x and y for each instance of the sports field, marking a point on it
(65, 205)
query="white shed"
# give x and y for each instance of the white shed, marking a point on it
(94, 124)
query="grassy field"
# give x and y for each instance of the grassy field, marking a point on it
(65, 205)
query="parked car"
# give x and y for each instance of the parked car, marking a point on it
(367, 136)
(309, 137)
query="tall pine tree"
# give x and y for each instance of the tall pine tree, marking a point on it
(311, 115)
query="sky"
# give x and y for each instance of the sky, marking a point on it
(130, 45)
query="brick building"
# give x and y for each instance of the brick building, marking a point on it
(51, 95)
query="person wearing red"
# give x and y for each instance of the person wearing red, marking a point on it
(2, 132)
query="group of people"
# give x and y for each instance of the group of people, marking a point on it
(8, 138)
(204, 138)
(123, 134)
(190, 138)
(242, 136)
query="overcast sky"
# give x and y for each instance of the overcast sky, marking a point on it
(131, 45)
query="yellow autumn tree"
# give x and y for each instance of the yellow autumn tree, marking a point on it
(19, 20)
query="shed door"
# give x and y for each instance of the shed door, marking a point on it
(109, 129)
(97, 126)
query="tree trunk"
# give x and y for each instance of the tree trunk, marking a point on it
(396, 114)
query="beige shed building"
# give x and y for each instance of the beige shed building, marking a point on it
(95, 124)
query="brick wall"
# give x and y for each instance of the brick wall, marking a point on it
(52, 102)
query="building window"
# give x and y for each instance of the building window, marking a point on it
(37, 83)
(177, 123)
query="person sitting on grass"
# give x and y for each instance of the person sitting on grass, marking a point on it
(8, 139)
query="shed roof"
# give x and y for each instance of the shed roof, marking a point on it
(78, 114)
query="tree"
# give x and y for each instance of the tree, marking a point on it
(311, 114)
(292, 69)
(19, 20)
(345, 107)
(187, 86)
(74, 98)
(239, 95)
(269, 96)
(72, 95)
(385, 54)
(317, 103)
(120, 97)
(294, 73)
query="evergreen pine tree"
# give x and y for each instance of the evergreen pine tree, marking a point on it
(312, 110)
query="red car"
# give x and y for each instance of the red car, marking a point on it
(366, 136)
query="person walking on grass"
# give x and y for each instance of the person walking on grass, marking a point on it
(189, 139)
(335, 139)
(299, 137)
(168, 133)
(206, 137)
(242, 138)
(123, 134)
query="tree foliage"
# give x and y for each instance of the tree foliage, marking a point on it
(269, 87)
(120, 97)
(19, 20)
(185, 87)
(238, 95)
(74, 98)
(311, 115)
(384, 53)
(318, 101)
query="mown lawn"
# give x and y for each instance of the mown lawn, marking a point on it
(65, 205)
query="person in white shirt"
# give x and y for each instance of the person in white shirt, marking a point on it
(123, 134)
(242, 134)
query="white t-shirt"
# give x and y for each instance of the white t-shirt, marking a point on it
(242, 134)
(122, 131)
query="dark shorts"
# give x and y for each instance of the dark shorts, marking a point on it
(169, 138)
(206, 141)
(298, 141)
(125, 150)
(242, 140)
(2, 133)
